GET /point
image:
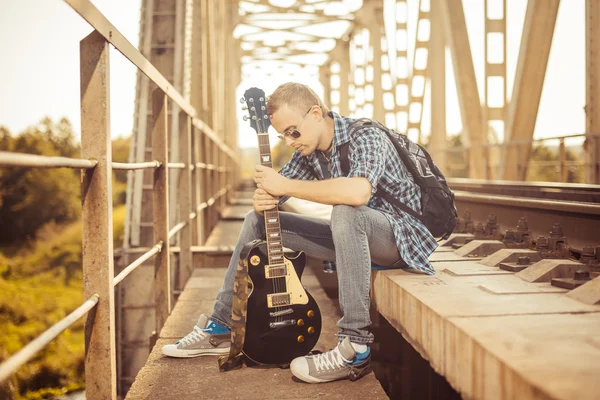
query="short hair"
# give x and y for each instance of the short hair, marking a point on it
(295, 95)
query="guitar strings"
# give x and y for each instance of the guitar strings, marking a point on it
(263, 141)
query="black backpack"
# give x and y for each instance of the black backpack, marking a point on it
(437, 200)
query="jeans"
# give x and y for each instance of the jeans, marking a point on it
(355, 237)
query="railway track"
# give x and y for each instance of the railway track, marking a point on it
(576, 207)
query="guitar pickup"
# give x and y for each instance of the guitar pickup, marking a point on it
(282, 312)
(275, 271)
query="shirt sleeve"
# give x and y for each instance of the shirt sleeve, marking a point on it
(297, 168)
(367, 154)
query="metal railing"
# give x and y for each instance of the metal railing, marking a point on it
(97, 233)
(459, 164)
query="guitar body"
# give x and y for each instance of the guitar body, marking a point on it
(277, 335)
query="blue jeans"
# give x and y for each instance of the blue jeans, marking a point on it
(355, 238)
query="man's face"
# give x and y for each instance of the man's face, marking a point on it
(289, 121)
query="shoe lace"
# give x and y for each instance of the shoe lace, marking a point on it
(194, 336)
(329, 360)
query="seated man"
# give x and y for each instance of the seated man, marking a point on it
(364, 228)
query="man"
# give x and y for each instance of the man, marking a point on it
(364, 228)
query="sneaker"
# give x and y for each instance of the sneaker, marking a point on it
(343, 362)
(207, 338)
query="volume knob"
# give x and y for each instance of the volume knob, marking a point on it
(310, 313)
(300, 339)
(311, 330)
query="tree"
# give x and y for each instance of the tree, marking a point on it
(33, 197)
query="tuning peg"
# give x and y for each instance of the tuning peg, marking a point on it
(244, 108)
(243, 100)
(251, 100)
(245, 117)
(265, 117)
(263, 108)
(261, 99)
(252, 108)
(254, 117)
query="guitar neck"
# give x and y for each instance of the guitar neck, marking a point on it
(272, 225)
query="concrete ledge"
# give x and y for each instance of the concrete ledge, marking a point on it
(527, 345)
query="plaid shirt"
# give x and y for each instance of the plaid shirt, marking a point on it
(373, 156)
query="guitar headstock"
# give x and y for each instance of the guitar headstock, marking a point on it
(256, 104)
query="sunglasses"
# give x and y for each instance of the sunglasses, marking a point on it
(294, 133)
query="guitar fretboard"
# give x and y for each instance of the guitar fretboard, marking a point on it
(272, 225)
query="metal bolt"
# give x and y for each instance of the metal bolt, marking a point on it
(524, 260)
(557, 230)
(522, 225)
(541, 243)
(509, 236)
(581, 275)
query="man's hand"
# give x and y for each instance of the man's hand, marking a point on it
(263, 201)
(270, 181)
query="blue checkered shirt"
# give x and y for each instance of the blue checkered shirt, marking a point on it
(372, 155)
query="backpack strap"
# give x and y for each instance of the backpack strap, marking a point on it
(381, 192)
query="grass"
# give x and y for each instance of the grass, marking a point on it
(38, 288)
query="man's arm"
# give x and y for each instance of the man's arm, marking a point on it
(354, 191)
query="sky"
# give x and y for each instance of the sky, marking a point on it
(39, 67)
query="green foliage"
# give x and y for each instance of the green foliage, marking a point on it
(37, 289)
(33, 197)
(544, 165)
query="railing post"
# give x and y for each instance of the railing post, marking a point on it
(97, 224)
(199, 186)
(160, 204)
(562, 153)
(185, 199)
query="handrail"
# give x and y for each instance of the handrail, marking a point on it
(11, 159)
(157, 248)
(176, 165)
(100, 23)
(12, 364)
(174, 230)
(132, 166)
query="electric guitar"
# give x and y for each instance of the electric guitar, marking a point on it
(283, 320)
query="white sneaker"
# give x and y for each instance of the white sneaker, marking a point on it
(206, 339)
(343, 362)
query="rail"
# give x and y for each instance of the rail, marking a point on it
(98, 254)
(458, 163)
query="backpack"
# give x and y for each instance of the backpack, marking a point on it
(438, 211)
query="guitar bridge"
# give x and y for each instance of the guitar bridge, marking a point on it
(278, 300)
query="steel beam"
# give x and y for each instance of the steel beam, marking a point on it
(466, 85)
(592, 91)
(437, 72)
(536, 40)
